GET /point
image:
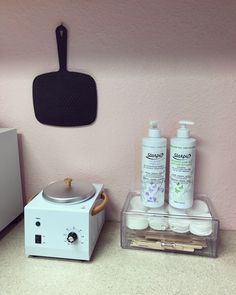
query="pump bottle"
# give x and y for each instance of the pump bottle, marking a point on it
(182, 168)
(153, 168)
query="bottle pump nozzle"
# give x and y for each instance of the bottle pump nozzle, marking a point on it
(154, 129)
(183, 130)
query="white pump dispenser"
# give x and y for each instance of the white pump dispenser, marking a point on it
(183, 131)
(154, 130)
(153, 167)
(182, 168)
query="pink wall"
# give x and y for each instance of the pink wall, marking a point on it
(161, 59)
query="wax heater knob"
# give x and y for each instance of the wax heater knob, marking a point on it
(72, 237)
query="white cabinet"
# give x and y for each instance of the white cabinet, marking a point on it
(11, 203)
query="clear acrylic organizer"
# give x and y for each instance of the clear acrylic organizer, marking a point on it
(188, 233)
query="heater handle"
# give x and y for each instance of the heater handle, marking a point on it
(101, 206)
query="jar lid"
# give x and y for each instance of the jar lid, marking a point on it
(69, 191)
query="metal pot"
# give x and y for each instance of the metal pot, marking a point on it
(73, 191)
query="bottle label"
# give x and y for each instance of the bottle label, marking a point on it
(153, 176)
(182, 166)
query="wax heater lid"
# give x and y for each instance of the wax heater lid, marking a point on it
(69, 191)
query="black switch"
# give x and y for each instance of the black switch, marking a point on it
(38, 239)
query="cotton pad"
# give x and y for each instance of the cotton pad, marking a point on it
(156, 219)
(136, 204)
(199, 207)
(136, 221)
(179, 222)
(201, 225)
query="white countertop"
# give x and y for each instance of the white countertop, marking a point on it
(114, 270)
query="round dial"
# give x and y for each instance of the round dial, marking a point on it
(72, 237)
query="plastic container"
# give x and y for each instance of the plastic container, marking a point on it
(153, 167)
(192, 231)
